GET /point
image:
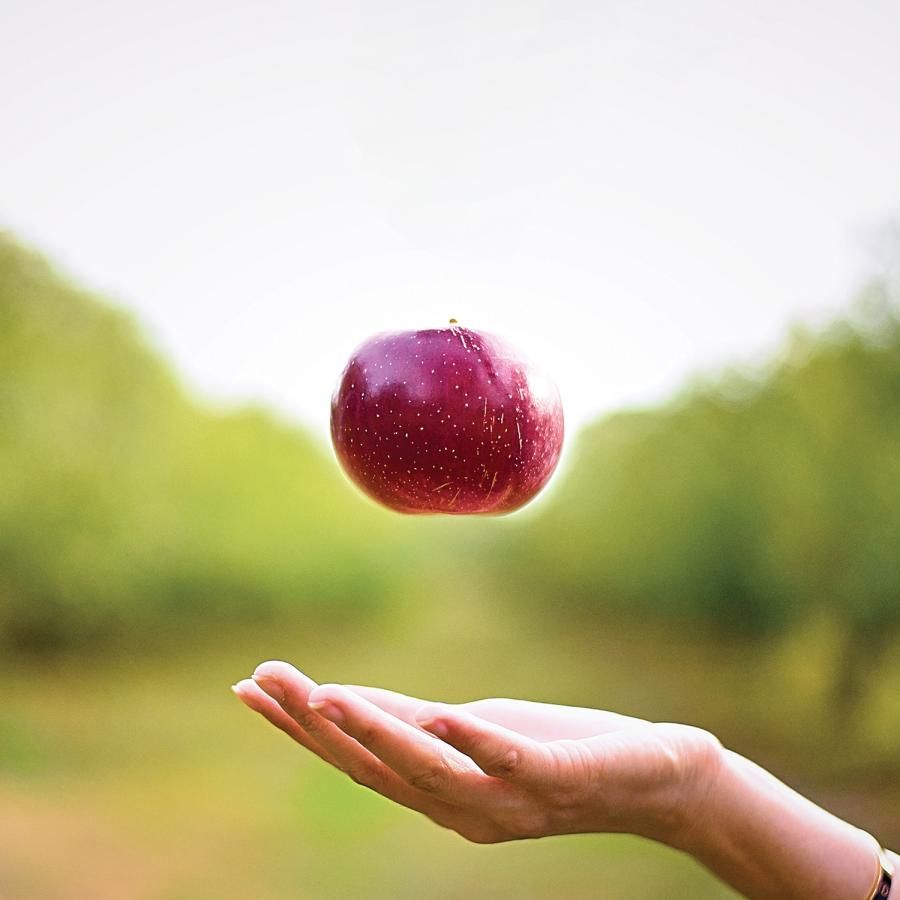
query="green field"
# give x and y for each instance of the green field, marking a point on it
(145, 778)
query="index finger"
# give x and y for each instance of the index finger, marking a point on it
(253, 696)
(292, 690)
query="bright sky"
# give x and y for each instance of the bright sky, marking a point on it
(629, 190)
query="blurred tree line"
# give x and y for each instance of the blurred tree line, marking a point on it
(752, 501)
(749, 502)
(125, 505)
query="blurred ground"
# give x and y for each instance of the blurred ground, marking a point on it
(145, 779)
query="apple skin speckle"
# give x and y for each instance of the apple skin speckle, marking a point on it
(446, 420)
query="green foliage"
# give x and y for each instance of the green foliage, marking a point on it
(748, 501)
(124, 503)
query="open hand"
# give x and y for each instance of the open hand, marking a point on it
(496, 770)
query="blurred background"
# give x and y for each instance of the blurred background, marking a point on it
(689, 215)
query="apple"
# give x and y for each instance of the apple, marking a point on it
(445, 420)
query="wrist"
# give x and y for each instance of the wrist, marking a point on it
(768, 841)
(701, 762)
(680, 808)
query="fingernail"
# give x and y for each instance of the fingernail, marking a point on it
(327, 709)
(272, 686)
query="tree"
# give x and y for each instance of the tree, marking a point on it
(751, 501)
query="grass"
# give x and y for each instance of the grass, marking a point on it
(142, 777)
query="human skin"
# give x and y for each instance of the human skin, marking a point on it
(499, 770)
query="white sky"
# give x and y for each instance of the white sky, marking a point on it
(630, 190)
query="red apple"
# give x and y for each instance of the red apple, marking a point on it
(446, 420)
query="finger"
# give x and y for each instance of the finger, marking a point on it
(252, 696)
(549, 721)
(540, 721)
(400, 705)
(291, 689)
(496, 750)
(416, 757)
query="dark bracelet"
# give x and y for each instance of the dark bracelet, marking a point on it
(885, 877)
